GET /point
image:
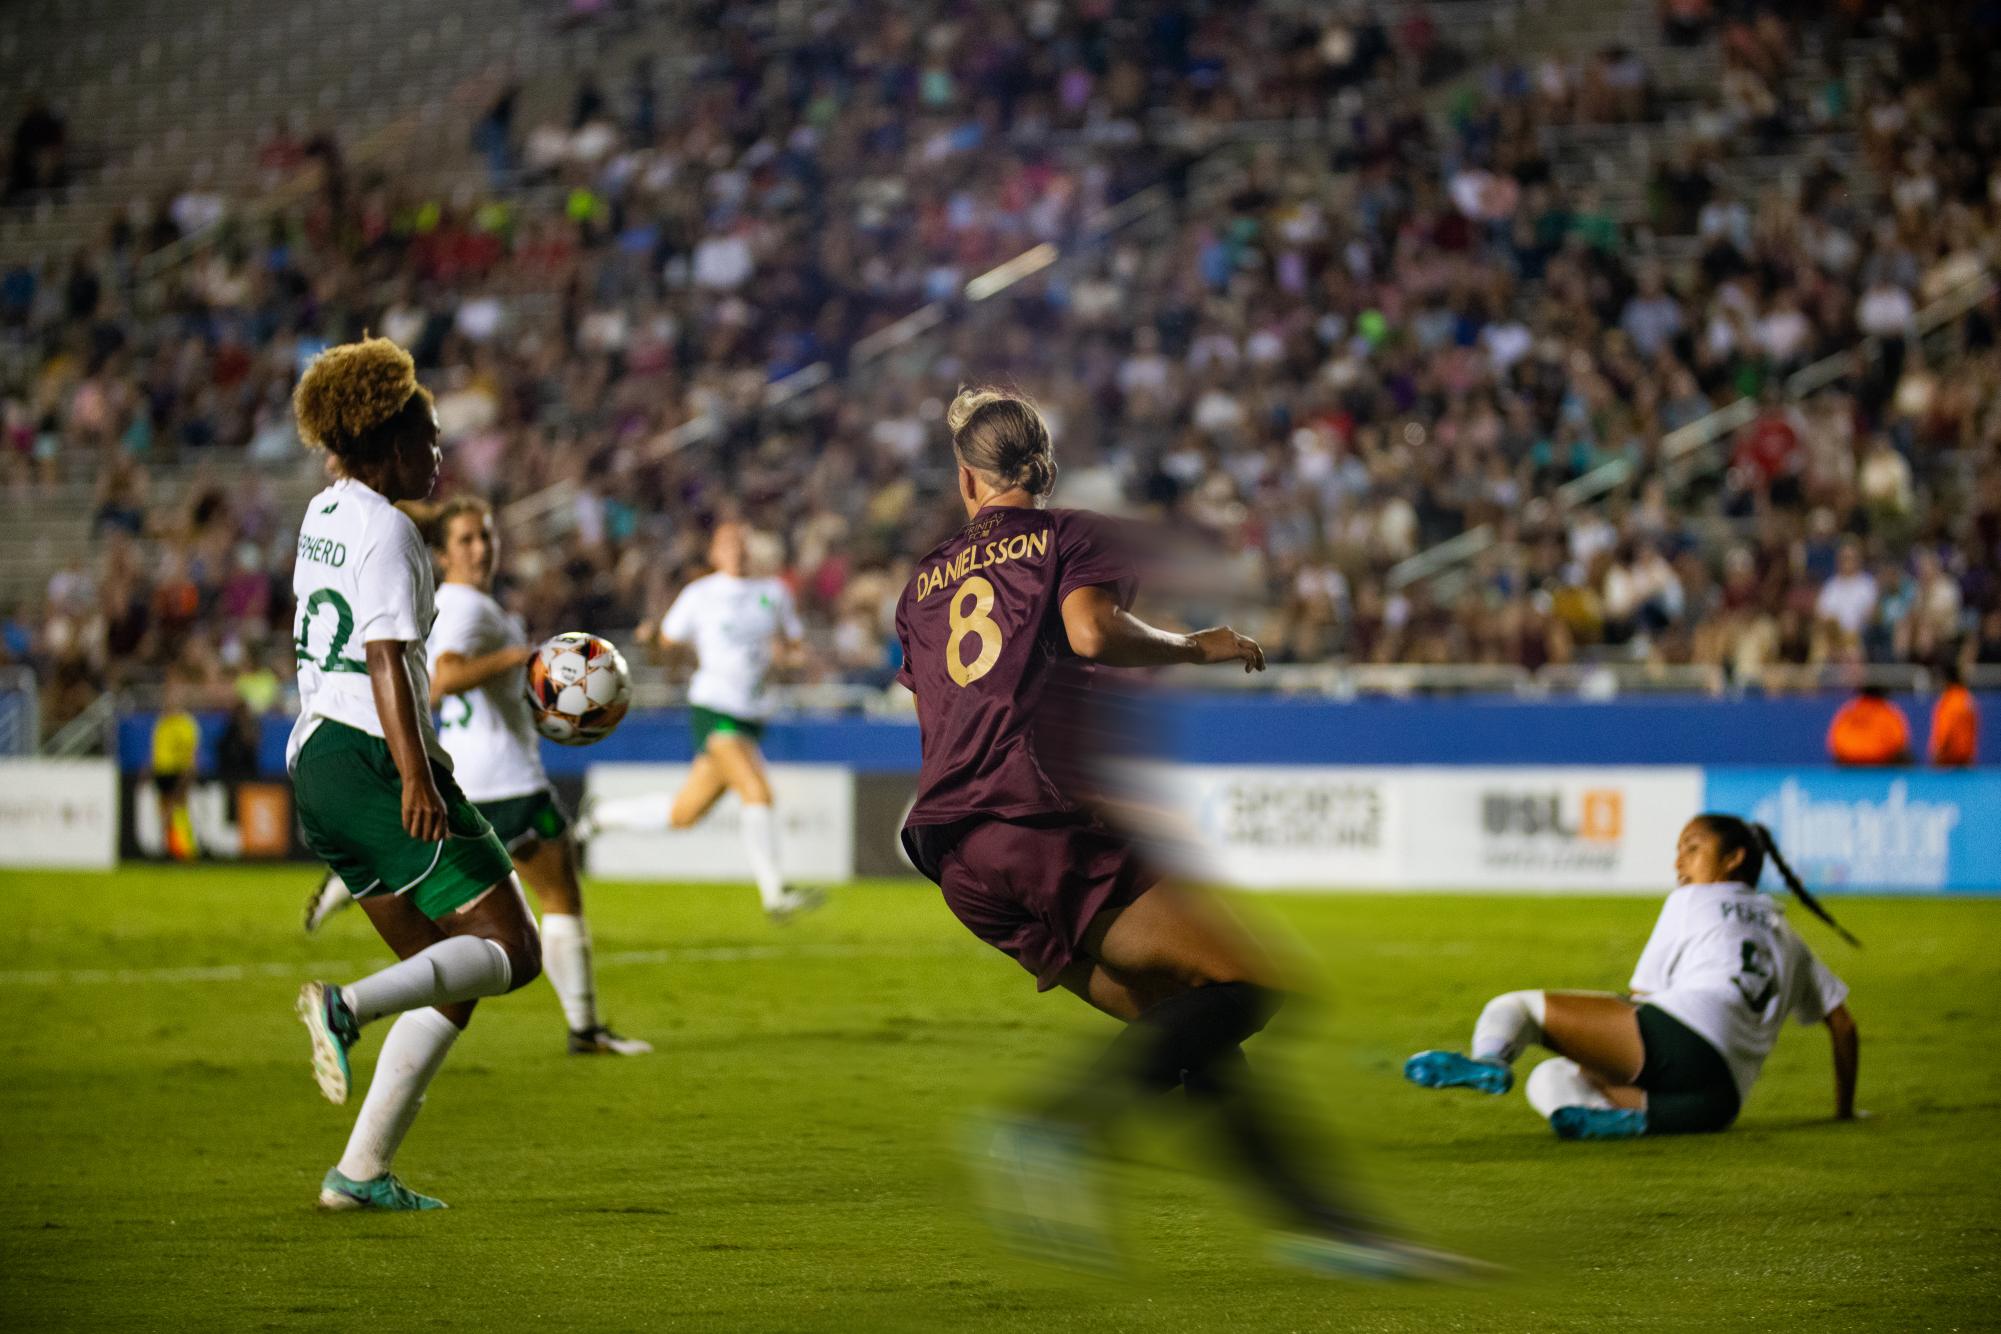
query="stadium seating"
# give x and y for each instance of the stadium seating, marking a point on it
(1459, 361)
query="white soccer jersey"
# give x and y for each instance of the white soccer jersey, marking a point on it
(362, 574)
(732, 624)
(1725, 962)
(489, 729)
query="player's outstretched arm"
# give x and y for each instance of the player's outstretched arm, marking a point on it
(396, 705)
(455, 673)
(1847, 1053)
(1103, 632)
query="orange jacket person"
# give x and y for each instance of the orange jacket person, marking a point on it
(1870, 730)
(1955, 724)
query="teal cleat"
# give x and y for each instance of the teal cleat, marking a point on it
(1598, 1122)
(1450, 1070)
(334, 1030)
(339, 1194)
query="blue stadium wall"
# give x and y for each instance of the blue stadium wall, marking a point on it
(1265, 729)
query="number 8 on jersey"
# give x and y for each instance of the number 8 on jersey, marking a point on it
(974, 621)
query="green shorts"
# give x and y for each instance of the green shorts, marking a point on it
(707, 722)
(1690, 1089)
(350, 801)
(520, 821)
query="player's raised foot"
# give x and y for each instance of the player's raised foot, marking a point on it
(327, 898)
(1038, 1187)
(334, 1030)
(795, 903)
(338, 1194)
(1359, 1254)
(1598, 1122)
(601, 1041)
(585, 827)
(1450, 1070)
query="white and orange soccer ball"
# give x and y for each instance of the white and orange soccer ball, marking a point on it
(579, 688)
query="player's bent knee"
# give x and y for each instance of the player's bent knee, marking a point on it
(1561, 1082)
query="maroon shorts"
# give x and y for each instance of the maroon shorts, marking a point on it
(1030, 887)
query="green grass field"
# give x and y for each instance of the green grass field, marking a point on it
(784, 1161)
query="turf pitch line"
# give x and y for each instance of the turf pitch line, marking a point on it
(312, 968)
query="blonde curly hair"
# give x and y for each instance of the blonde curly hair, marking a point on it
(351, 392)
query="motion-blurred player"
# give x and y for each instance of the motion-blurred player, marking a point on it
(1715, 984)
(999, 627)
(738, 628)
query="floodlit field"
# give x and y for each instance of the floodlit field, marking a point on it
(784, 1162)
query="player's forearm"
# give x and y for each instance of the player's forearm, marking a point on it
(396, 705)
(455, 673)
(1121, 639)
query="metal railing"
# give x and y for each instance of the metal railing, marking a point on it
(1337, 682)
(91, 732)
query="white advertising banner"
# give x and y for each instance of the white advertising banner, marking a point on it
(815, 807)
(59, 813)
(1408, 827)
(1291, 827)
(1547, 829)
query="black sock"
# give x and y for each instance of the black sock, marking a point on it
(1182, 1033)
(1253, 1131)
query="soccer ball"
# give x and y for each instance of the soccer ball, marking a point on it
(578, 687)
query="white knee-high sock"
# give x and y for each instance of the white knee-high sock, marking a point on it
(1508, 1025)
(760, 840)
(459, 969)
(566, 958)
(647, 812)
(411, 1054)
(1561, 1083)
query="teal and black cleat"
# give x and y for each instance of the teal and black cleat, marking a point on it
(1450, 1070)
(334, 1030)
(1598, 1122)
(339, 1193)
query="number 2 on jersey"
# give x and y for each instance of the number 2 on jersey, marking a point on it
(974, 621)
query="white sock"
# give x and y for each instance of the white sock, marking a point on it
(459, 969)
(566, 959)
(760, 840)
(1508, 1025)
(1561, 1083)
(411, 1054)
(647, 812)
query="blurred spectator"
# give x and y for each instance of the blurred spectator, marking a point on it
(38, 158)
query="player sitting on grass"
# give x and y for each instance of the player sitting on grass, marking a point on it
(736, 626)
(1712, 988)
(477, 655)
(375, 794)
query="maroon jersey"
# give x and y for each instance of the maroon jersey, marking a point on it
(981, 624)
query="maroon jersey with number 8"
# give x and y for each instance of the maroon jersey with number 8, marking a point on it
(981, 624)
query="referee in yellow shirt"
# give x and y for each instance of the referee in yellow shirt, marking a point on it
(175, 738)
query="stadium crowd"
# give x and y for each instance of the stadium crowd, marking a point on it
(1324, 358)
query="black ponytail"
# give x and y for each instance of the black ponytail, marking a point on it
(1786, 873)
(1736, 834)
